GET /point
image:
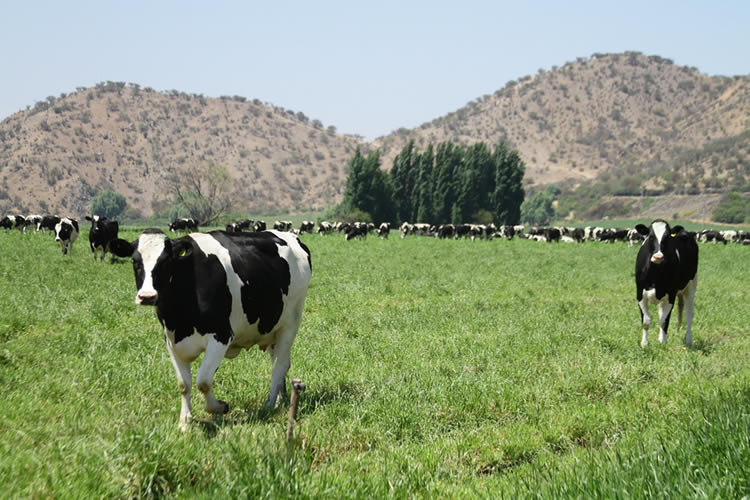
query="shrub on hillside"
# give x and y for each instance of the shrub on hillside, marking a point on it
(732, 209)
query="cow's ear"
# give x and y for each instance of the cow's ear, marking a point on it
(181, 249)
(121, 248)
(642, 229)
(88, 217)
(677, 230)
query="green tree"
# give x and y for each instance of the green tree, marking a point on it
(508, 193)
(539, 208)
(110, 204)
(368, 188)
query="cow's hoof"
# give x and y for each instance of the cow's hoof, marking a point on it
(222, 407)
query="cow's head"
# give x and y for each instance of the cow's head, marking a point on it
(96, 223)
(154, 256)
(63, 230)
(658, 239)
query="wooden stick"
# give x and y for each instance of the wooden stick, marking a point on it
(297, 387)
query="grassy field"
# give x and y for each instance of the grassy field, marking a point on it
(433, 369)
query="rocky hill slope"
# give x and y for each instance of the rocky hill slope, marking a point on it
(638, 122)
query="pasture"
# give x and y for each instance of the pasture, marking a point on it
(433, 368)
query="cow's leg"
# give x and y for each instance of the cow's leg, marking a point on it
(689, 297)
(665, 310)
(184, 384)
(215, 352)
(281, 357)
(645, 320)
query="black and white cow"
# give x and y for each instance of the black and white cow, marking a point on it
(101, 233)
(666, 269)
(48, 222)
(13, 221)
(183, 224)
(32, 220)
(260, 225)
(384, 229)
(66, 233)
(238, 226)
(306, 226)
(219, 293)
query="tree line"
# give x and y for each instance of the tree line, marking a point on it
(443, 183)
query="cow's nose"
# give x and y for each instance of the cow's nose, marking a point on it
(657, 258)
(146, 298)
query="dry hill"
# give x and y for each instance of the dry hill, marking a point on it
(58, 155)
(637, 122)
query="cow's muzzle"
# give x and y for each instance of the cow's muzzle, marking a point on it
(657, 258)
(146, 298)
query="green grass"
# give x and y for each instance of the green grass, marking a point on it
(433, 369)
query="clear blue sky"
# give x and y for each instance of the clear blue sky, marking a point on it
(366, 67)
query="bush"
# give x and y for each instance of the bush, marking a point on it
(732, 209)
(110, 204)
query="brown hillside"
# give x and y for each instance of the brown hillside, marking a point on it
(616, 114)
(638, 121)
(58, 155)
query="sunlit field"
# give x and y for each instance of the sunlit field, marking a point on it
(434, 368)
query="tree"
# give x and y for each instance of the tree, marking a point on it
(203, 191)
(110, 204)
(539, 209)
(367, 187)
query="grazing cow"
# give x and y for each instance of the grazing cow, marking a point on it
(259, 226)
(48, 222)
(238, 226)
(32, 220)
(183, 224)
(445, 231)
(283, 225)
(462, 231)
(66, 233)
(406, 229)
(218, 293)
(551, 234)
(578, 234)
(102, 231)
(356, 230)
(13, 221)
(325, 227)
(507, 231)
(709, 235)
(634, 237)
(306, 226)
(666, 269)
(384, 229)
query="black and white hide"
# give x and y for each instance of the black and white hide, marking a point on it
(66, 233)
(218, 293)
(666, 269)
(101, 233)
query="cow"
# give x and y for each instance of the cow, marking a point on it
(32, 220)
(260, 225)
(101, 232)
(324, 227)
(48, 222)
(666, 268)
(445, 231)
(384, 229)
(306, 226)
(578, 234)
(183, 224)
(238, 226)
(13, 221)
(219, 293)
(461, 231)
(283, 225)
(66, 233)
(356, 230)
(709, 235)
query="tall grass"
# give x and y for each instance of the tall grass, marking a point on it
(434, 368)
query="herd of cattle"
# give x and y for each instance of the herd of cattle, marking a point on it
(223, 291)
(102, 231)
